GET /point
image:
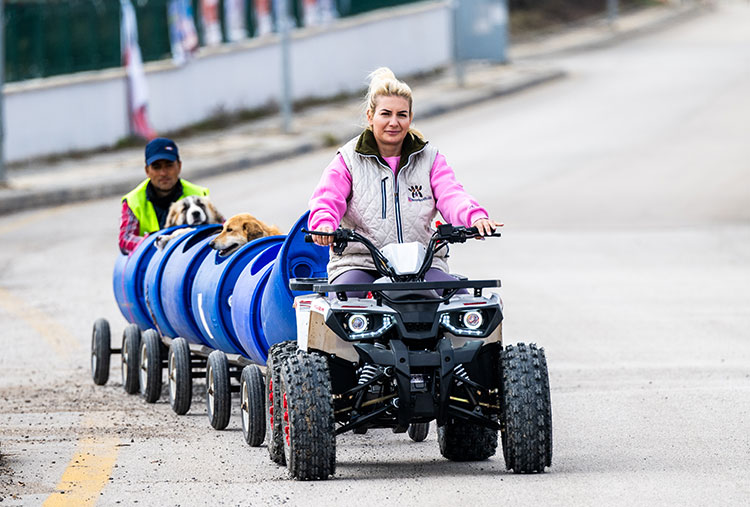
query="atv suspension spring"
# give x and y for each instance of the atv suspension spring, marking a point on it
(367, 373)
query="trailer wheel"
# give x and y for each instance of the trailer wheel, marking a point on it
(179, 376)
(218, 394)
(277, 354)
(418, 431)
(100, 352)
(526, 412)
(131, 345)
(150, 366)
(308, 420)
(252, 391)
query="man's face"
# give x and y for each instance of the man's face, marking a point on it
(164, 174)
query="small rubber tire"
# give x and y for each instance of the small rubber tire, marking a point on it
(252, 405)
(464, 441)
(418, 431)
(131, 346)
(150, 371)
(308, 420)
(100, 352)
(218, 393)
(277, 354)
(179, 376)
(526, 409)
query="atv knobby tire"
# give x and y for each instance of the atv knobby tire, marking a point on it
(418, 431)
(526, 415)
(277, 354)
(309, 426)
(464, 441)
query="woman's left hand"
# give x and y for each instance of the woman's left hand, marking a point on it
(485, 226)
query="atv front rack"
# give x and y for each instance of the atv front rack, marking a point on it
(321, 286)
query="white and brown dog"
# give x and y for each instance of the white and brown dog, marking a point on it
(192, 210)
(240, 230)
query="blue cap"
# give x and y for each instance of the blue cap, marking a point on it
(161, 148)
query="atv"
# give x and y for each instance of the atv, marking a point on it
(408, 353)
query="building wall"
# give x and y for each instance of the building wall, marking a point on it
(89, 110)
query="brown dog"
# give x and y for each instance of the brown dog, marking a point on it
(240, 230)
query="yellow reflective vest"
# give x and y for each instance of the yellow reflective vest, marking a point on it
(143, 209)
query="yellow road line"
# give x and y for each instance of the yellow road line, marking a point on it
(87, 474)
(53, 332)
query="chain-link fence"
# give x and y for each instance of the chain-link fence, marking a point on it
(52, 37)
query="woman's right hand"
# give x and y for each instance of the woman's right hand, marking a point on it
(323, 240)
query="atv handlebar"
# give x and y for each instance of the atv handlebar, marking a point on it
(444, 235)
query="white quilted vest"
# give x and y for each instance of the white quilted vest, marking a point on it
(386, 209)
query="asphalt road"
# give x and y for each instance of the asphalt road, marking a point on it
(626, 250)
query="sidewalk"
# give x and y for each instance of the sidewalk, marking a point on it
(39, 184)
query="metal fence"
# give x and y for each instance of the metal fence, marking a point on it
(52, 37)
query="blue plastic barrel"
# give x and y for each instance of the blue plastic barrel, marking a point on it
(212, 291)
(152, 286)
(127, 281)
(297, 259)
(246, 302)
(177, 281)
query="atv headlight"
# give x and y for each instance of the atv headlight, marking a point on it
(358, 323)
(445, 320)
(472, 320)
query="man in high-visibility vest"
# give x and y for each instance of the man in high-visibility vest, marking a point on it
(145, 208)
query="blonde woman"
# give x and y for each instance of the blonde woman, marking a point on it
(388, 183)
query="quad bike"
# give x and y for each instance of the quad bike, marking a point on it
(409, 353)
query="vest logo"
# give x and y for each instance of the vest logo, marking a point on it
(416, 194)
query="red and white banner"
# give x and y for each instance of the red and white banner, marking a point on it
(137, 87)
(210, 23)
(183, 37)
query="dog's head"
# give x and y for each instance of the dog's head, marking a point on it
(240, 230)
(193, 210)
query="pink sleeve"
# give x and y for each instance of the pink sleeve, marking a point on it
(451, 200)
(329, 200)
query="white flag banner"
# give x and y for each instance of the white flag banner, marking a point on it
(234, 20)
(210, 23)
(137, 87)
(183, 37)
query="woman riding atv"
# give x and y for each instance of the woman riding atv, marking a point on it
(388, 183)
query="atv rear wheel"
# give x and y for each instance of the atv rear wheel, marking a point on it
(465, 441)
(526, 414)
(418, 431)
(277, 354)
(308, 421)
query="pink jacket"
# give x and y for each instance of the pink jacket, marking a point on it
(329, 200)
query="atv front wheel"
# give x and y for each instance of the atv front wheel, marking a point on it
(526, 414)
(308, 422)
(277, 354)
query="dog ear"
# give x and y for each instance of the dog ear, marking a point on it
(252, 230)
(215, 216)
(173, 216)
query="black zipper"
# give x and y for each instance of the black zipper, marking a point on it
(383, 197)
